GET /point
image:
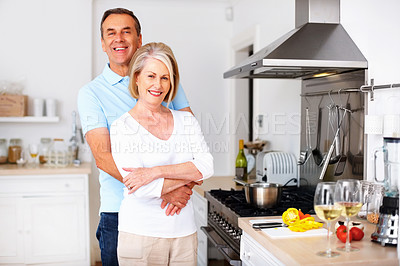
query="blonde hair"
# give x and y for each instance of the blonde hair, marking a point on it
(159, 51)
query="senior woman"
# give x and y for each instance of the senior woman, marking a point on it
(156, 143)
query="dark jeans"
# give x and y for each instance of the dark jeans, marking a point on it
(107, 234)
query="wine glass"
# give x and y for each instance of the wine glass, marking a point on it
(326, 210)
(348, 195)
(34, 151)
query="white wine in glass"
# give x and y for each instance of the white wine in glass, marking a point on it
(326, 210)
(348, 196)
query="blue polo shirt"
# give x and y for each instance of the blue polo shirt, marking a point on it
(102, 101)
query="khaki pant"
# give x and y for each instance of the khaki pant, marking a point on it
(145, 251)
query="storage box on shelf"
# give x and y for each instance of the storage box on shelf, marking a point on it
(13, 105)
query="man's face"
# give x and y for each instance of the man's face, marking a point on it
(120, 41)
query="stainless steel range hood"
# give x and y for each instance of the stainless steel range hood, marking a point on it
(319, 45)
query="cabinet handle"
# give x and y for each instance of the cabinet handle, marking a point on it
(246, 255)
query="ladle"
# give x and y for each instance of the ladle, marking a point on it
(305, 155)
(316, 152)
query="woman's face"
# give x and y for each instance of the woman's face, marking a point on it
(153, 81)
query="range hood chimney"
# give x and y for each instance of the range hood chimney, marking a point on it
(318, 46)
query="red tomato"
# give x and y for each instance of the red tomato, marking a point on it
(341, 233)
(356, 233)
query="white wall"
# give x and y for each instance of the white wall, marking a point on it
(47, 45)
(378, 40)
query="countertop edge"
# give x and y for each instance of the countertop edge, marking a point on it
(14, 170)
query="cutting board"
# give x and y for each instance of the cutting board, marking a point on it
(284, 232)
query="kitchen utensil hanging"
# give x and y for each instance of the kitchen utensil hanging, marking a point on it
(345, 144)
(305, 155)
(328, 155)
(343, 147)
(334, 119)
(316, 152)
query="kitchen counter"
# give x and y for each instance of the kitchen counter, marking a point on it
(301, 251)
(13, 169)
(217, 182)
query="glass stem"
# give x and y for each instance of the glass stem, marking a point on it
(348, 234)
(329, 250)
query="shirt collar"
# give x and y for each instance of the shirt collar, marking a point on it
(112, 77)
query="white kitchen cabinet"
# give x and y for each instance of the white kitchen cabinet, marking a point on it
(200, 215)
(44, 220)
(253, 254)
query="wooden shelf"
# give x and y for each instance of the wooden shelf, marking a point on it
(30, 119)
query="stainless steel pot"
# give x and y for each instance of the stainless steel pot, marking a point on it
(262, 194)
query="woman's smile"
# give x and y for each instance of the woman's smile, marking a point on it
(155, 93)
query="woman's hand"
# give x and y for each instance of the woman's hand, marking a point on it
(137, 178)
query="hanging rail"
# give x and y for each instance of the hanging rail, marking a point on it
(364, 89)
(371, 88)
(338, 91)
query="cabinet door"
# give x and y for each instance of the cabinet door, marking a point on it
(11, 230)
(54, 228)
(253, 254)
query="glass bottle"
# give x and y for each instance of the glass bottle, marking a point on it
(367, 189)
(3, 151)
(14, 150)
(241, 163)
(59, 153)
(378, 191)
(45, 145)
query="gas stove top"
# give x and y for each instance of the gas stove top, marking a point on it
(226, 206)
(292, 197)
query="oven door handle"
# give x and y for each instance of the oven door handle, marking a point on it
(226, 255)
(220, 244)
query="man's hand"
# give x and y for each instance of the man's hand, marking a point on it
(178, 198)
(137, 178)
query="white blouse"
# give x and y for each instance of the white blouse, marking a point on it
(133, 146)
